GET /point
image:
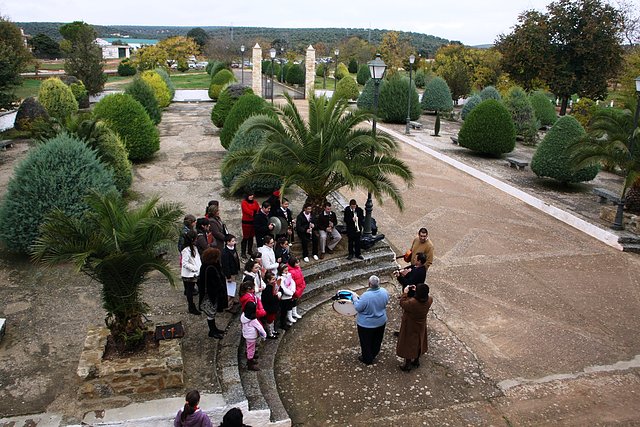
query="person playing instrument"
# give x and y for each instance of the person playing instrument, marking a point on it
(354, 220)
(261, 223)
(371, 319)
(412, 342)
(327, 222)
(414, 274)
(305, 225)
(251, 330)
(423, 244)
(285, 213)
(191, 415)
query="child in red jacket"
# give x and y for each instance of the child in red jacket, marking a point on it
(298, 277)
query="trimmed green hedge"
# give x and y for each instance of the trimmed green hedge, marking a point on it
(394, 101)
(126, 68)
(159, 87)
(341, 71)
(472, 102)
(524, 118)
(226, 100)
(130, 121)
(347, 88)
(365, 100)
(353, 66)
(488, 129)
(57, 174)
(363, 74)
(219, 82)
(167, 80)
(294, 75)
(245, 106)
(552, 158)
(544, 108)
(142, 92)
(57, 98)
(80, 93)
(437, 96)
(490, 92)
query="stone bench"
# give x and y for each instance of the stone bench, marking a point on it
(6, 143)
(517, 163)
(415, 125)
(454, 139)
(606, 195)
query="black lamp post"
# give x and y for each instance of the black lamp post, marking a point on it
(272, 53)
(618, 222)
(377, 67)
(335, 75)
(242, 64)
(412, 59)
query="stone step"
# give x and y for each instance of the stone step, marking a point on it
(631, 247)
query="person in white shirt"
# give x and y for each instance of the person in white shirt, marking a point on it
(269, 261)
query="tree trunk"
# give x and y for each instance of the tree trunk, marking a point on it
(436, 131)
(563, 105)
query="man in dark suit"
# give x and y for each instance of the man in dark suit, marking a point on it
(414, 274)
(261, 223)
(285, 213)
(354, 220)
(305, 224)
(329, 236)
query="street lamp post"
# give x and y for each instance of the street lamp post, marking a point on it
(377, 68)
(272, 53)
(618, 222)
(242, 64)
(412, 59)
(335, 75)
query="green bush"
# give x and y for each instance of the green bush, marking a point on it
(128, 118)
(363, 74)
(80, 94)
(522, 113)
(342, 71)
(159, 87)
(490, 92)
(251, 140)
(488, 129)
(183, 65)
(167, 80)
(216, 67)
(28, 113)
(110, 150)
(365, 100)
(284, 71)
(552, 157)
(422, 77)
(437, 96)
(126, 68)
(245, 106)
(295, 74)
(320, 69)
(58, 174)
(219, 82)
(472, 102)
(347, 88)
(226, 100)
(57, 98)
(393, 102)
(353, 66)
(583, 111)
(142, 92)
(544, 109)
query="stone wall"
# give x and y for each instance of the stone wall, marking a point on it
(630, 222)
(146, 373)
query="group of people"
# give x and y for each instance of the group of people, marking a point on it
(414, 300)
(192, 416)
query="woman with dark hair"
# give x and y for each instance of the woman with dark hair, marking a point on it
(190, 268)
(213, 290)
(202, 241)
(216, 227)
(233, 418)
(230, 266)
(191, 415)
(412, 341)
(249, 208)
(252, 273)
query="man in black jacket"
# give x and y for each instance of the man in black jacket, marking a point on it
(261, 223)
(329, 236)
(305, 224)
(415, 274)
(354, 220)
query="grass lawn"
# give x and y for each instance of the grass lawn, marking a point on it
(330, 82)
(200, 80)
(29, 87)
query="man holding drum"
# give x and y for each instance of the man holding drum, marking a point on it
(371, 319)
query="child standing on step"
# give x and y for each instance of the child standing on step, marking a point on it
(251, 330)
(271, 303)
(287, 287)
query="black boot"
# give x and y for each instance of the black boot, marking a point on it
(243, 248)
(250, 247)
(213, 330)
(193, 309)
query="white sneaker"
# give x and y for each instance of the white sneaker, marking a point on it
(315, 257)
(290, 317)
(305, 259)
(295, 314)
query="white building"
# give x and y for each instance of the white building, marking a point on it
(111, 51)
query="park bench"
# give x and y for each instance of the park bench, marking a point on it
(454, 139)
(605, 195)
(415, 125)
(517, 163)
(6, 143)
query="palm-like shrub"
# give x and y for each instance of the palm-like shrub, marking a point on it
(295, 74)
(167, 80)
(126, 68)
(159, 87)
(142, 92)
(226, 100)
(522, 113)
(488, 129)
(118, 248)
(341, 71)
(366, 98)
(490, 92)
(553, 157)
(245, 106)
(437, 97)
(363, 74)
(219, 82)
(327, 153)
(28, 113)
(394, 100)
(347, 88)
(472, 102)
(128, 118)
(57, 174)
(543, 107)
(57, 98)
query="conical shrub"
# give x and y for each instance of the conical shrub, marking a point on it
(488, 129)
(142, 92)
(472, 102)
(437, 96)
(394, 101)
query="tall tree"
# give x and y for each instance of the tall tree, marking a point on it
(393, 50)
(198, 35)
(83, 56)
(178, 48)
(14, 56)
(44, 47)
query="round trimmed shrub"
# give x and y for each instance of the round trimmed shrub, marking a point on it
(552, 157)
(471, 103)
(295, 74)
(422, 78)
(142, 92)
(128, 118)
(363, 74)
(347, 88)
(543, 107)
(57, 98)
(341, 71)
(219, 82)
(524, 118)
(165, 76)
(80, 93)
(353, 66)
(159, 87)
(126, 68)
(29, 111)
(320, 69)
(226, 100)
(393, 101)
(245, 106)
(365, 100)
(490, 92)
(488, 129)
(244, 140)
(437, 96)
(216, 67)
(58, 174)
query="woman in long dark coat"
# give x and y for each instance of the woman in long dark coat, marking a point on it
(412, 341)
(213, 289)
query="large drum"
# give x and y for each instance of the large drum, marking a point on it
(343, 302)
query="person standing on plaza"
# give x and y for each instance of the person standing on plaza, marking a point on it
(261, 223)
(213, 292)
(305, 226)
(423, 244)
(190, 268)
(230, 266)
(329, 236)
(412, 341)
(217, 228)
(285, 213)
(371, 319)
(354, 220)
(414, 274)
(251, 330)
(250, 208)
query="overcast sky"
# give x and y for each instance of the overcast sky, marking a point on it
(469, 21)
